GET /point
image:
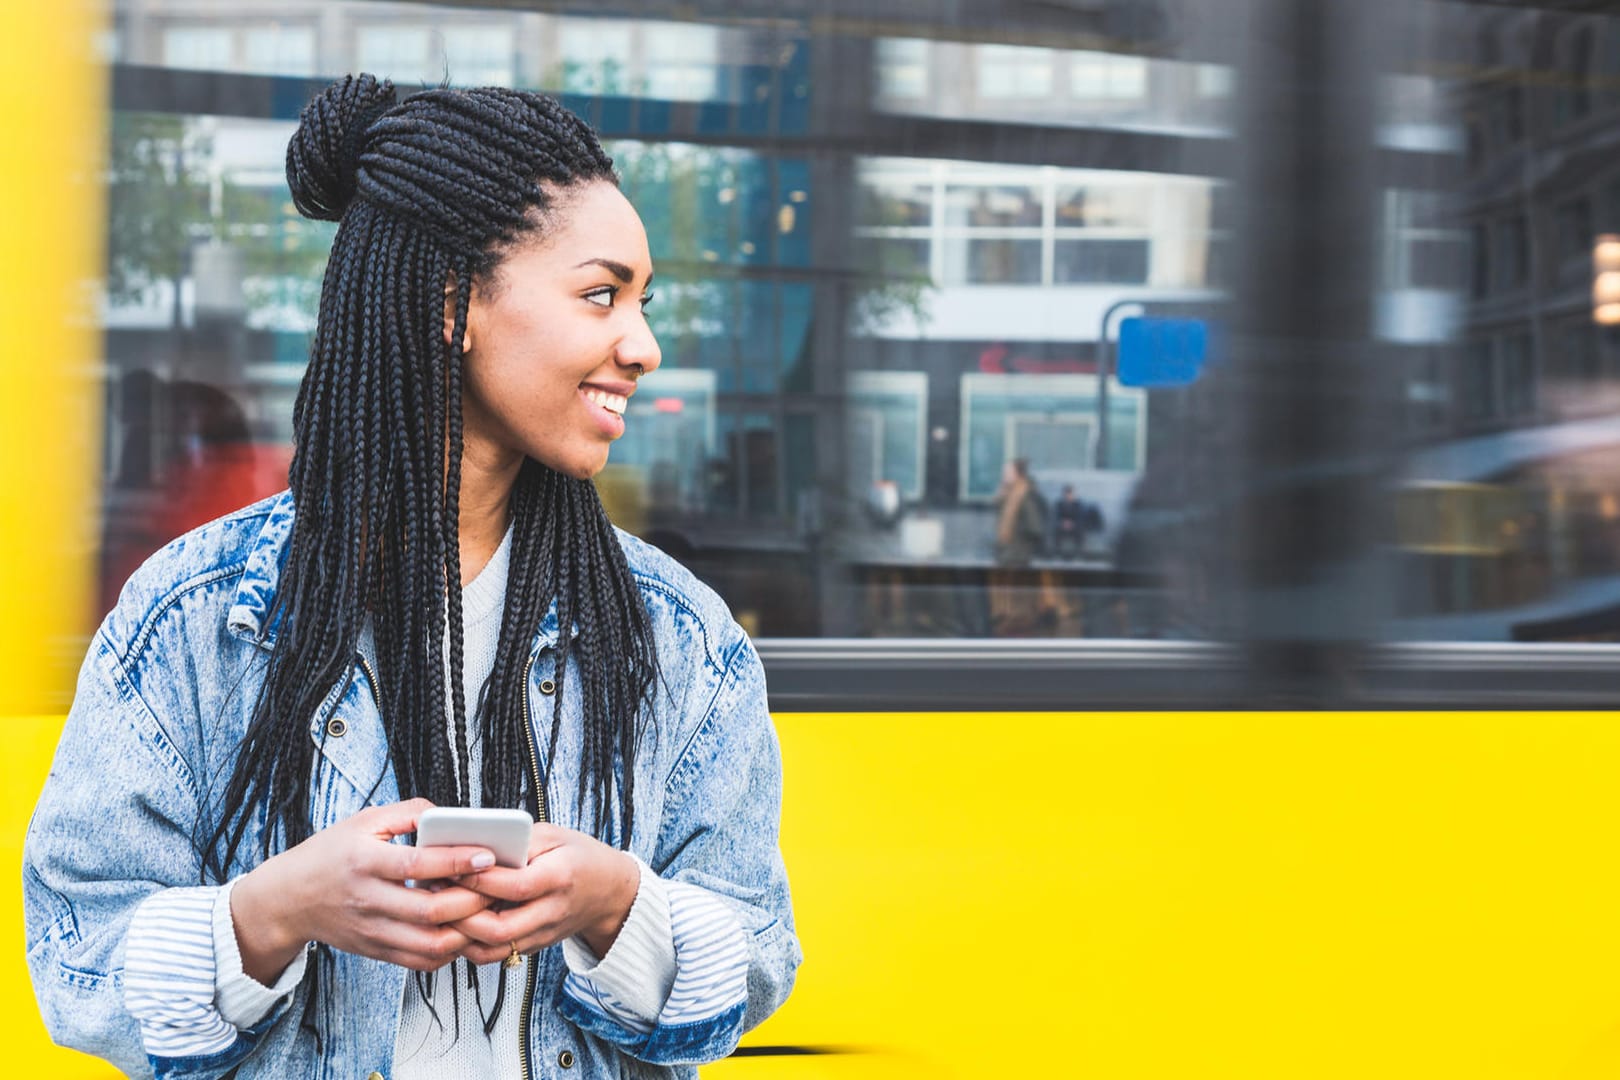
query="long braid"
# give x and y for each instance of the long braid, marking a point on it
(452, 541)
(429, 194)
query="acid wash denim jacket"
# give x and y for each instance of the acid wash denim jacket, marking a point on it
(163, 699)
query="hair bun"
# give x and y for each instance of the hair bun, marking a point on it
(323, 155)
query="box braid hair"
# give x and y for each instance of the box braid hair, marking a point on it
(428, 193)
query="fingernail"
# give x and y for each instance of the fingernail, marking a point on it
(483, 860)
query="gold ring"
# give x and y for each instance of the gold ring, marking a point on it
(515, 959)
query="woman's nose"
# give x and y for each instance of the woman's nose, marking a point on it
(640, 349)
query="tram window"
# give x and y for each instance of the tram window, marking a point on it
(858, 348)
(1530, 451)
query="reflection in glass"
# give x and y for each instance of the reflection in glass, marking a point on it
(1014, 71)
(992, 261)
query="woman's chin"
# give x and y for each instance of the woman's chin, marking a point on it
(580, 468)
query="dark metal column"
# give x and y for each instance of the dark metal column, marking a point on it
(840, 106)
(1311, 399)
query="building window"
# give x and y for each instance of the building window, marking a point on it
(274, 49)
(902, 68)
(888, 428)
(1099, 262)
(682, 61)
(1014, 71)
(1213, 81)
(998, 260)
(1575, 99)
(1506, 111)
(202, 48)
(400, 53)
(1423, 250)
(596, 55)
(895, 200)
(1574, 229)
(1480, 251)
(1049, 419)
(1097, 76)
(992, 205)
(993, 232)
(479, 55)
(1479, 394)
(1578, 358)
(1518, 375)
(1102, 234)
(1512, 257)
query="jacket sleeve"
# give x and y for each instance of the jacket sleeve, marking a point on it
(717, 851)
(113, 830)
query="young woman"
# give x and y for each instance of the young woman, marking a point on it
(218, 878)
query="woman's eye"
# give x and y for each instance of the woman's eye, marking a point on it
(647, 299)
(603, 297)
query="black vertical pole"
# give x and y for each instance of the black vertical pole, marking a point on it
(1313, 389)
(840, 107)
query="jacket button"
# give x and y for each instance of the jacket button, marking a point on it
(565, 1059)
(374, 1076)
(337, 728)
(548, 686)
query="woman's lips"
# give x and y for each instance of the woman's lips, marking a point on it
(606, 409)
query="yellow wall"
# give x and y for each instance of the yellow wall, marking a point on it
(1267, 896)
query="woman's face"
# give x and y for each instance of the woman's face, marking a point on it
(556, 339)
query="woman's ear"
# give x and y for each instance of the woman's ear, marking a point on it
(450, 317)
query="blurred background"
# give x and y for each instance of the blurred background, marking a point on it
(904, 245)
(1019, 356)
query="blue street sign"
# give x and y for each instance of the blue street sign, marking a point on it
(1161, 352)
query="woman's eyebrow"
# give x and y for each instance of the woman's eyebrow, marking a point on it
(617, 269)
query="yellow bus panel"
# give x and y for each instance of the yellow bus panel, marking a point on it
(1163, 895)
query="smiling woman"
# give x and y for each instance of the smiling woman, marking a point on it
(280, 693)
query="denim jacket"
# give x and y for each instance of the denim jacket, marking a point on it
(163, 699)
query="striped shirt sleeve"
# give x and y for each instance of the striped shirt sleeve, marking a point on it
(241, 999)
(680, 958)
(183, 977)
(169, 974)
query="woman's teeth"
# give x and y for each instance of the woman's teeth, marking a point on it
(613, 403)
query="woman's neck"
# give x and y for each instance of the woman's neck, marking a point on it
(486, 504)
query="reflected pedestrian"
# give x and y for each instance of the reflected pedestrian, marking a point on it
(1020, 530)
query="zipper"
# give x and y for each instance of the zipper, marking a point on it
(538, 807)
(371, 680)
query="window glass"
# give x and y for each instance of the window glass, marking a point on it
(902, 68)
(401, 52)
(205, 47)
(682, 61)
(595, 55)
(480, 55)
(1014, 71)
(279, 49)
(1095, 76)
(862, 332)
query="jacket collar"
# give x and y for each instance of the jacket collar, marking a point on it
(260, 576)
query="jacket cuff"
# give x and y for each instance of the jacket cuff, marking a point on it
(632, 982)
(240, 998)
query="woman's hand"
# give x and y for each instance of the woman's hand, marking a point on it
(573, 884)
(346, 886)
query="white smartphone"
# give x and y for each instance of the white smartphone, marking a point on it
(504, 832)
